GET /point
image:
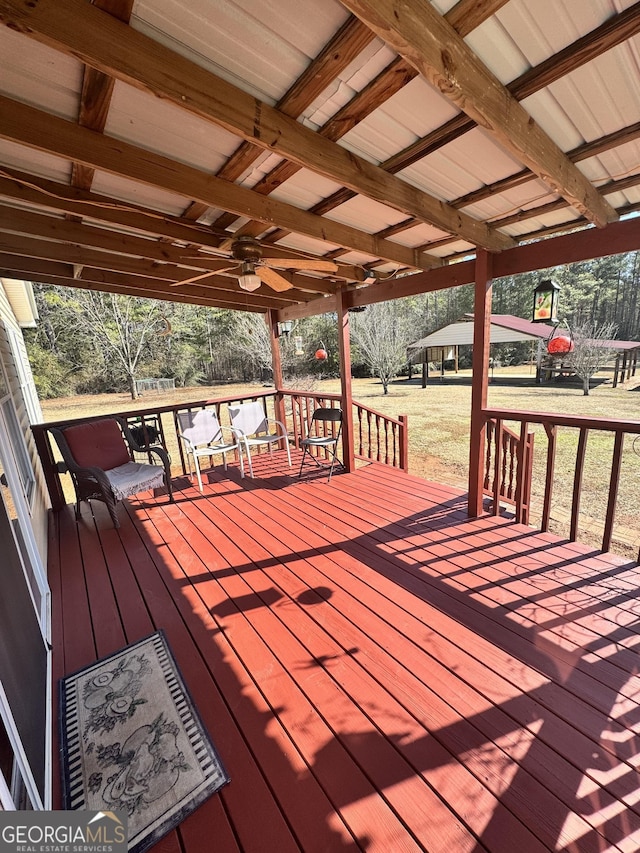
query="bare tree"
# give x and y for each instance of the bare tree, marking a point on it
(122, 328)
(588, 355)
(382, 334)
(254, 341)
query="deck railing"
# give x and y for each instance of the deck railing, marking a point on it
(508, 468)
(582, 427)
(378, 437)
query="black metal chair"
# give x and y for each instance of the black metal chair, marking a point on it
(322, 438)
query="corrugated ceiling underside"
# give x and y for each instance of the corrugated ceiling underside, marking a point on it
(263, 48)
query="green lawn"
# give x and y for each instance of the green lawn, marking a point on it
(439, 429)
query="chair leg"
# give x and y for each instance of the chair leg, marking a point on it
(241, 462)
(307, 452)
(112, 512)
(197, 467)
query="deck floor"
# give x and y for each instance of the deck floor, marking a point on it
(377, 671)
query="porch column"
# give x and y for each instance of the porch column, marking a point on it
(479, 389)
(276, 364)
(346, 396)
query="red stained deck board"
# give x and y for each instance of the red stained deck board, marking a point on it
(293, 697)
(336, 709)
(424, 556)
(442, 773)
(252, 513)
(412, 582)
(405, 656)
(199, 663)
(288, 774)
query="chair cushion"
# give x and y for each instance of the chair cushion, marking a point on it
(98, 443)
(133, 477)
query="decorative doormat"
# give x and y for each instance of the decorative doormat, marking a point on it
(131, 739)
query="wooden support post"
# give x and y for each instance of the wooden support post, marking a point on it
(425, 372)
(42, 439)
(276, 364)
(479, 390)
(346, 395)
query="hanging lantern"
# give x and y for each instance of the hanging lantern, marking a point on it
(321, 354)
(545, 302)
(559, 345)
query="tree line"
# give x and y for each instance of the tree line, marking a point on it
(93, 342)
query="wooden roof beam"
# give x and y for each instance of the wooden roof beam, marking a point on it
(106, 44)
(342, 49)
(126, 290)
(417, 32)
(465, 16)
(33, 190)
(45, 132)
(97, 89)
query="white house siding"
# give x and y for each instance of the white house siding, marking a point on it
(40, 500)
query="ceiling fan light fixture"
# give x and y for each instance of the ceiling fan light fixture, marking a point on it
(248, 279)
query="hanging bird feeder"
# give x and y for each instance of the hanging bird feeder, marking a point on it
(560, 345)
(321, 353)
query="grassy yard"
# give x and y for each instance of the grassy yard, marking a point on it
(439, 430)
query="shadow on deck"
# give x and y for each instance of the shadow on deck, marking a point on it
(378, 671)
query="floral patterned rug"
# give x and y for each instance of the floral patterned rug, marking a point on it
(132, 741)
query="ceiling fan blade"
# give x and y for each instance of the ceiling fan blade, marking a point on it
(223, 265)
(301, 264)
(192, 279)
(273, 279)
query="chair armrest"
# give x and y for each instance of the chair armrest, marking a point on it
(161, 453)
(280, 424)
(91, 473)
(237, 432)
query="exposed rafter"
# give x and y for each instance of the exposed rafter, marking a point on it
(424, 38)
(464, 17)
(45, 132)
(108, 45)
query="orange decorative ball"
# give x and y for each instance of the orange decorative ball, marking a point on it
(321, 354)
(559, 345)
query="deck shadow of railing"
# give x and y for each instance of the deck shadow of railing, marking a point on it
(611, 676)
(586, 683)
(557, 685)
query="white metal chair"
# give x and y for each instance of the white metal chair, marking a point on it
(250, 420)
(324, 439)
(202, 435)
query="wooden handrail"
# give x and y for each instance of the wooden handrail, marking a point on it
(387, 444)
(585, 425)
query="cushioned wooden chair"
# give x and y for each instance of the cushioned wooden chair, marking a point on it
(320, 436)
(255, 429)
(99, 457)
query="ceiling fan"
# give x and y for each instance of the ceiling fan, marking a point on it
(254, 267)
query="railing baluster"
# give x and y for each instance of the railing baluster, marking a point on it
(497, 468)
(521, 475)
(613, 490)
(552, 435)
(577, 483)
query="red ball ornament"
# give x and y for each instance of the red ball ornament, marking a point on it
(559, 345)
(321, 354)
